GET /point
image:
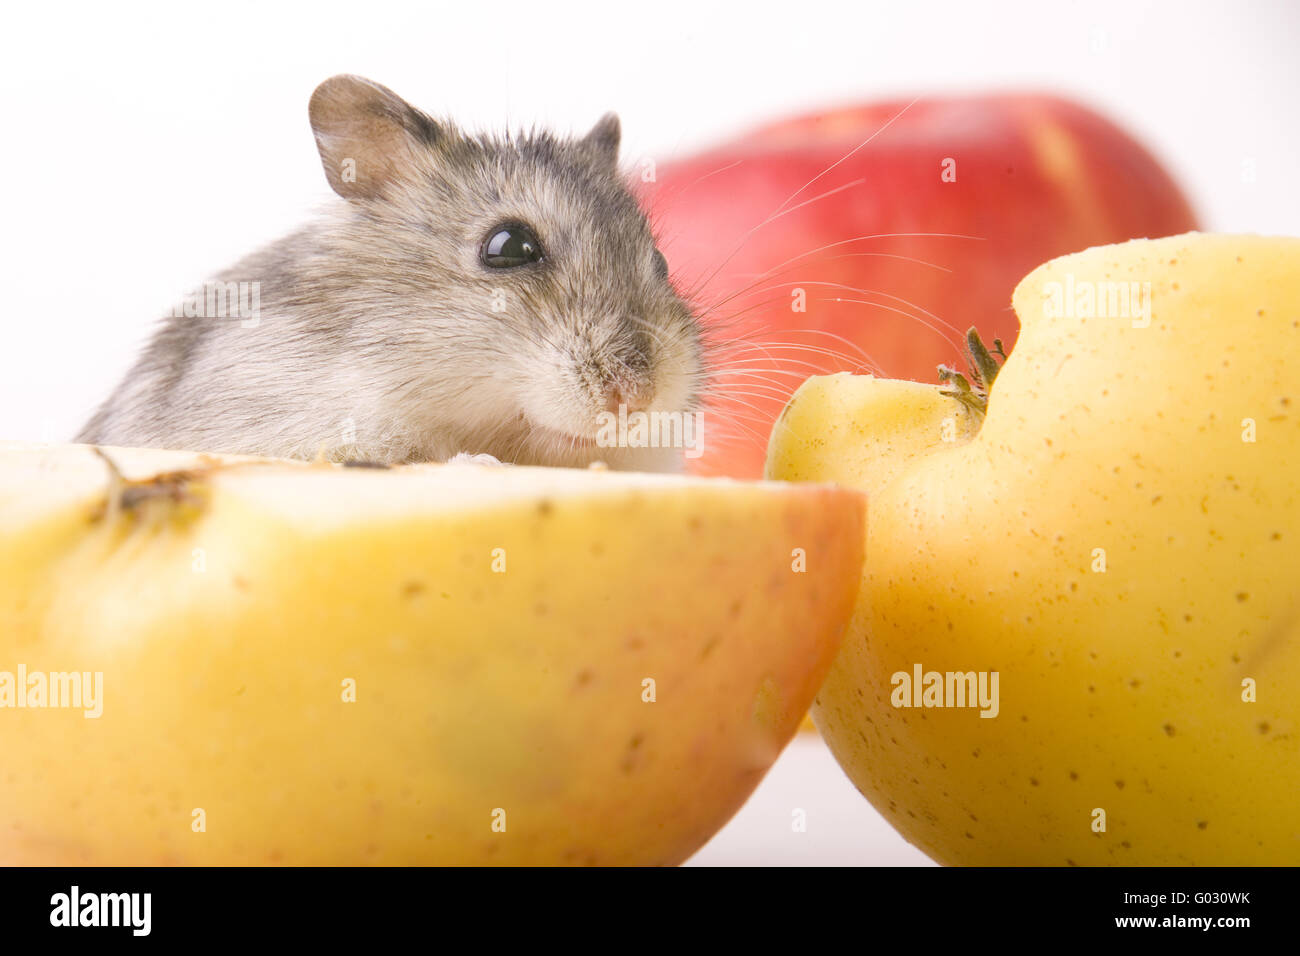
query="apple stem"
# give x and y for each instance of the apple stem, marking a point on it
(983, 369)
(124, 494)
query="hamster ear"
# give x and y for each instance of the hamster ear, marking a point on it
(368, 136)
(604, 137)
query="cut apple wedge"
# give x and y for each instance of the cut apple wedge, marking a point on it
(308, 664)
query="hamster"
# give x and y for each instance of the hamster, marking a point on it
(463, 295)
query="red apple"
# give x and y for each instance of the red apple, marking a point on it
(895, 227)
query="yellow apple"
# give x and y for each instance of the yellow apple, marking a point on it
(300, 664)
(1117, 540)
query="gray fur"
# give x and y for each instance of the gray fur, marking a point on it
(378, 338)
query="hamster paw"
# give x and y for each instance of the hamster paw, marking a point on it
(465, 458)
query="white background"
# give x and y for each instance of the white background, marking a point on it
(146, 146)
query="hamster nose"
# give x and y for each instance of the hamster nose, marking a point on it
(614, 397)
(633, 397)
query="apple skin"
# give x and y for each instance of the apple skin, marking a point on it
(228, 619)
(1123, 685)
(1035, 177)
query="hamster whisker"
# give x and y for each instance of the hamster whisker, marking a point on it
(772, 218)
(796, 262)
(758, 389)
(862, 145)
(769, 349)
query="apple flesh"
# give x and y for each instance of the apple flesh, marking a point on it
(430, 664)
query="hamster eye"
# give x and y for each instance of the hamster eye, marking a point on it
(510, 246)
(661, 265)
